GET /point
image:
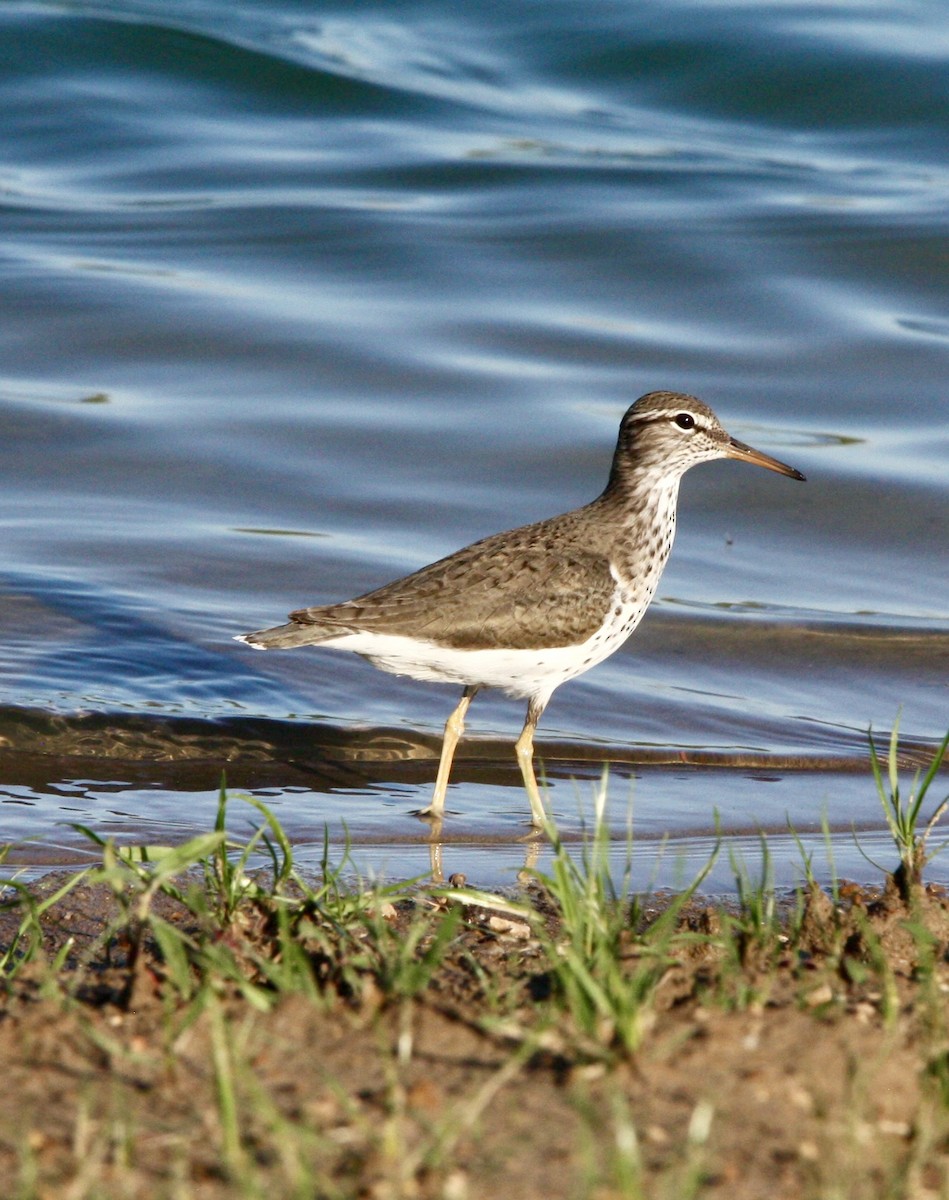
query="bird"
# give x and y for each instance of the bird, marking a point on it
(526, 610)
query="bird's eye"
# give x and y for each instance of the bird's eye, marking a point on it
(685, 420)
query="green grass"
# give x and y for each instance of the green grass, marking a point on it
(903, 811)
(603, 964)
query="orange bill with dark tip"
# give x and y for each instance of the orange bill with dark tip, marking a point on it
(743, 453)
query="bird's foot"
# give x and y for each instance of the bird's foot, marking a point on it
(432, 818)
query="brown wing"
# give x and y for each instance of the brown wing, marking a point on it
(534, 587)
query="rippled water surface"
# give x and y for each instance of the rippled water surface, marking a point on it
(297, 298)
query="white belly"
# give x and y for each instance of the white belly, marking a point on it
(521, 673)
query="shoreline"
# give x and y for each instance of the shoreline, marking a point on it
(174, 1025)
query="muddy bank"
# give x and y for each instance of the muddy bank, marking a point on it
(427, 1047)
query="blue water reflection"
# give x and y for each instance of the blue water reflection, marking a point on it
(295, 302)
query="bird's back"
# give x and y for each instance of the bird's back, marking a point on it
(541, 585)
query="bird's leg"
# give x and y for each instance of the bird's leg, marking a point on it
(454, 728)
(524, 748)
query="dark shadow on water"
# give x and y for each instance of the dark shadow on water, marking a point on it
(186, 753)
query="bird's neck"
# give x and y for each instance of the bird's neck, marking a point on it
(642, 516)
(642, 499)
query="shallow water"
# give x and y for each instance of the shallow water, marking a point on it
(295, 301)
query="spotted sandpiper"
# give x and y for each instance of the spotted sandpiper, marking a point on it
(526, 610)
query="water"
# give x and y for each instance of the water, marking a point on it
(297, 299)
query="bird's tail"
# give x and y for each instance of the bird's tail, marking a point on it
(282, 637)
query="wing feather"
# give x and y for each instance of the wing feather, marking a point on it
(529, 589)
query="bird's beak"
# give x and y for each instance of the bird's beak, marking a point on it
(736, 449)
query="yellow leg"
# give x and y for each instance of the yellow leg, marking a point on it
(524, 748)
(454, 728)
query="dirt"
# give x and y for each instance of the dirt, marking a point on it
(808, 1059)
